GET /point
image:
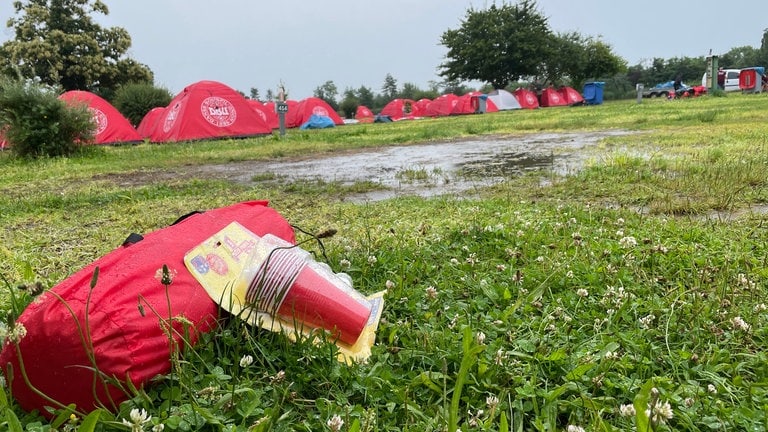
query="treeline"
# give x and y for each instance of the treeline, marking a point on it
(619, 86)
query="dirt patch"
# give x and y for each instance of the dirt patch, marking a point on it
(449, 167)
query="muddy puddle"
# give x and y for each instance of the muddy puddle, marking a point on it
(453, 168)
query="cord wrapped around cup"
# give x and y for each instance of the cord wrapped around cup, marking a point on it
(284, 281)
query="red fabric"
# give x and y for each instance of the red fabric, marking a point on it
(550, 97)
(149, 122)
(207, 110)
(126, 345)
(364, 114)
(111, 126)
(399, 109)
(422, 104)
(570, 95)
(442, 105)
(466, 104)
(526, 98)
(300, 112)
(268, 115)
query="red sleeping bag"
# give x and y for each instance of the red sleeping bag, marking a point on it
(127, 344)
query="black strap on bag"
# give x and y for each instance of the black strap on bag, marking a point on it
(134, 238)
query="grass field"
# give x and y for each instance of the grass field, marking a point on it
(627, 295)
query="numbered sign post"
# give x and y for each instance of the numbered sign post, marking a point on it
(281, 108)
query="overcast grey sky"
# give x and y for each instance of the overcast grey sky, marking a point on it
(247, 43)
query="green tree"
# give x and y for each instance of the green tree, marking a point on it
(328, 92)
(365, 96)
(136, 99)
(57, 42)
(255, 94)
(762, 58)
(498, 45)
(349, 103)
(740, 57)
(389, 88)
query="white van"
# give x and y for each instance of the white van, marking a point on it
(731, 80)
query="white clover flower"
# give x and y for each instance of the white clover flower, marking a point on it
(739, 324)
(389, 284)
(647, 321)
(246, 361)
(628, 242)
(345, 263)
(431, 292)
(454, 261)
(501, 267)
(760, 307)
(712, 389)
(158, 427)
(581, 292)
(660, 412)
(17, 333)
(627, 410)
(492, 402)
(574, 428)
(480, 338)
(540, 259)
(569, 274)
(372, 259)
(499, 358)
(139, 418)
(335, 423)
(620, 221)
(620, 233)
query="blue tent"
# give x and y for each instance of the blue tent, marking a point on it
(318, 122)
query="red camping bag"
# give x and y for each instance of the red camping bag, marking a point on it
(126, 343)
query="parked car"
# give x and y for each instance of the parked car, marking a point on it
(665, 89)
(731, 80)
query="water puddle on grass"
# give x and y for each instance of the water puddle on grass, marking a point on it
(455, 167)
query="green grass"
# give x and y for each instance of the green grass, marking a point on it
(549, 301)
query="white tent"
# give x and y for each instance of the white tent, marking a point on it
(504, 100)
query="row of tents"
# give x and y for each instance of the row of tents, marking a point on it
(474, 102)
(210, 109)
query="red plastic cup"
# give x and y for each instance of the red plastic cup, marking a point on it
(285, 281)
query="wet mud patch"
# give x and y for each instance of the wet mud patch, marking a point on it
(444, 168)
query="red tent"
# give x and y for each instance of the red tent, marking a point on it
(301, 112)
(400, 109)
(442, 105)
(364, 114)
(149, 121)
(571, 96)
(550, 97)
(266, 114)
(111, 126)
(526, 98)
(469, 104)
(207, 110)
(421, 105)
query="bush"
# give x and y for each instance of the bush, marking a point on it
(136, 99)
(36, 123)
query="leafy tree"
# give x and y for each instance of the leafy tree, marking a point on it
(365, 96)
(255, 93)
(37, 123)
(270, 96)
(136, 99)
(328, 92)
(498, 45)
(740, 57)
(762, 58)
(57, 42)
(389, 88)
(349, 103)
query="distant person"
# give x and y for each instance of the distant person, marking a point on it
(721, 78)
